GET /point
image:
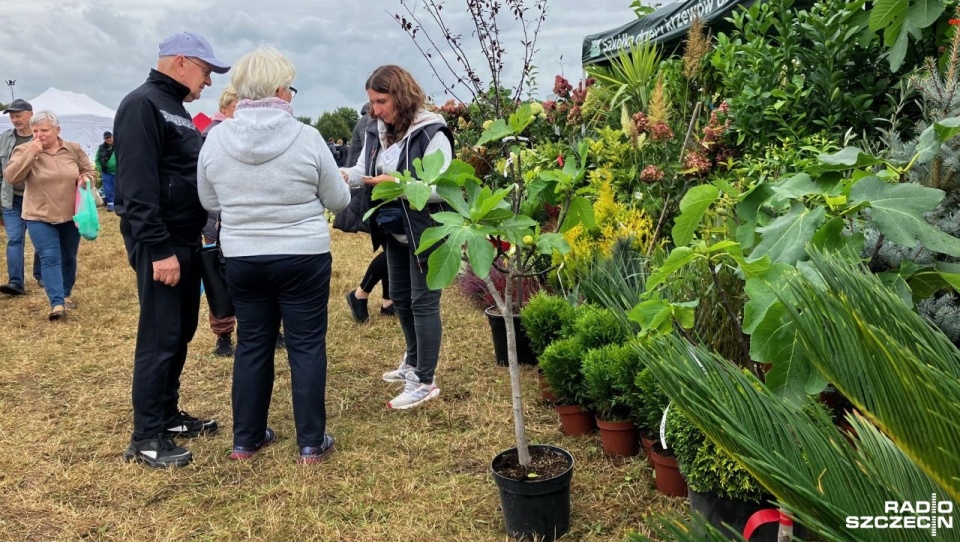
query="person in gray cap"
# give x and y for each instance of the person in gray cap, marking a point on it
(160, 219)
(11, 196)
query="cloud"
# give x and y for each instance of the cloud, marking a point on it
(105, 48)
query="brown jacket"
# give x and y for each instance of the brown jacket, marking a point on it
(51, 180)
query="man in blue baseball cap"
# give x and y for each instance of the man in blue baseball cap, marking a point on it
(160, 219)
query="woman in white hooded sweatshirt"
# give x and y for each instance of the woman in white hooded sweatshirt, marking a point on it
(270, 177)
(405, 131)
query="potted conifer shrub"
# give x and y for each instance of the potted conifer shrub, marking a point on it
(605, 370)
(562, 366)
(545, 318)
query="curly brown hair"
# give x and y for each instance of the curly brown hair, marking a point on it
(408, 97)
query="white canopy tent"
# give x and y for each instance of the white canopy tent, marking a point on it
(82, 119)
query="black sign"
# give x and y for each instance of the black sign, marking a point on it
(668, 24)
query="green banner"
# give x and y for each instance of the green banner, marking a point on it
(667, 25)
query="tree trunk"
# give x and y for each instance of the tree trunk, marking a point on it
(506, 309)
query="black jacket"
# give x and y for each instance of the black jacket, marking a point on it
(157, 147)
(356, 140)
(104, 152)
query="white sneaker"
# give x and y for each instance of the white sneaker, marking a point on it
(400, 373)
(414, 393)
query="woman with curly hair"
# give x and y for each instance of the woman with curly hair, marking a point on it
(405, 131)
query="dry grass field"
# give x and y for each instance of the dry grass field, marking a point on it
(65, 419)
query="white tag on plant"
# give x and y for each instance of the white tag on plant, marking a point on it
(663, 427)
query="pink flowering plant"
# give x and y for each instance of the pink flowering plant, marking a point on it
(565, 114)
(670, 160)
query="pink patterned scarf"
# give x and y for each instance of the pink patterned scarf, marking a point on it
(267, 103)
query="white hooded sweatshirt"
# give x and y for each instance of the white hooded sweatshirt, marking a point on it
(270, 176)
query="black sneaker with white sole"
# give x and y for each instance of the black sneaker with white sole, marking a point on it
(188, 426)
(158, 452)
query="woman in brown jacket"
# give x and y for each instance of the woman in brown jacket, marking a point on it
(51, 169)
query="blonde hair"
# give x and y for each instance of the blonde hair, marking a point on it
(227, 97)
(260, 73)
(44, 116)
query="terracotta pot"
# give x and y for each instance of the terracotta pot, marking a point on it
(545, 390)
(619, 439)
(669, 480)
(647, 443)
(574, 421)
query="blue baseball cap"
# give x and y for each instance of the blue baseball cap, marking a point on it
(190, 44)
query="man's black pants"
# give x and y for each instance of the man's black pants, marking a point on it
(168, 320)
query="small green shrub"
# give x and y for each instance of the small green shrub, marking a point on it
(602, 375)
(561, 363)
(597, 326)
(706, 467)
(649, 402)
(546, 318)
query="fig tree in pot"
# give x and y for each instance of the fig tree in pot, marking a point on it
(533, 480)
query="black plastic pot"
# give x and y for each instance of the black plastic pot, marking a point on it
(730, 516)
(535, 508)
(498, 328)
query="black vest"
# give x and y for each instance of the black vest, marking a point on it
(415, 222)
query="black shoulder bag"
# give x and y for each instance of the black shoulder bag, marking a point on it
(212, 266)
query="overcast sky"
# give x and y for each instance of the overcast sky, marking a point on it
(105, 48)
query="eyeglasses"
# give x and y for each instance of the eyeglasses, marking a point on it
(206, 71)
(293, 91)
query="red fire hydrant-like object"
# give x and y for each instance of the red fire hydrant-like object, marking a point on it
(769, 515)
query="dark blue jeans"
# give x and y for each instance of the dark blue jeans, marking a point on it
(418, 308)
(266, 290)
(57, 245)
(168, 320)
(16, 230)
(107, 180)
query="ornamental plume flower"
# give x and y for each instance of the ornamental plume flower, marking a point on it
(696, 164)
(562, 87)
(579, 95)
(641, 122)
(660, 131)
(651, 174)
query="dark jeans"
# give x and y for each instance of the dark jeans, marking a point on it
(418, 308)
(57, 245)
(377, 272)
(107, 179)
(168, 320)
(16, 235)
(16, 229)
(266, 290)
